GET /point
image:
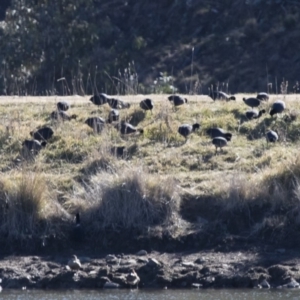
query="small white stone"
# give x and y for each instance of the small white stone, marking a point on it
(187, 264)
(153, 262)
(110, 257)
(111, 285)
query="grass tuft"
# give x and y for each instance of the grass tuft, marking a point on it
(131, 199)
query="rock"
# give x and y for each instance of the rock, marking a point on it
(110, 257)
(93, 272)
(265, 284)
(111, 285)
(129, 262)
(293, 284)
(278, 271)
(74, 263)
(187, 264)
(153, 262)
(196, 285)
(205, 270)
(199, 261)
(144, 260)
(141, 253)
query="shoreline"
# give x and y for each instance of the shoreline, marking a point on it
(203, 269)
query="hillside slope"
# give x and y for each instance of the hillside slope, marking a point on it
(134, 46)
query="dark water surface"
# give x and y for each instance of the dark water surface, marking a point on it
(152, 294)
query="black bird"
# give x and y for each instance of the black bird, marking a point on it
(127, 128)
(146, 104)
(77, 232)
(277, 107)
(96, 123)
(77, 220)
(186, 129)
(219, 142)
(62, 115)
(34, 146)
(177, 100)
(42, 134)
(271, 136)
(113, 116)
(219, 95)
(262, 96)
(252, 102)
(63, 105)
(117, 103)
(100, 99)
(254, 114)
(218, 132)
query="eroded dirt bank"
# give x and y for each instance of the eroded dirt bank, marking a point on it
(205, 269)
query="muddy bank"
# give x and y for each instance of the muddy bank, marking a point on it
(206, 269)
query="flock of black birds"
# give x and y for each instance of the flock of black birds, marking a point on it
(220, 137)
(42, 135)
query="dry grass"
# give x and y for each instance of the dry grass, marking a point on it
(143, 189)
(25, 210)
(130, 199)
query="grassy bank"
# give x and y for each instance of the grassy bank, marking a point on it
(163, 187)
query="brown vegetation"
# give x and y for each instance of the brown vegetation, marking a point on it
(161, 187)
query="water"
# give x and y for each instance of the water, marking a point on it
(151, 294)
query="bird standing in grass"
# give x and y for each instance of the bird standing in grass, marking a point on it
(219, 142)
(77, 232)
(42, 134)
(127, 128)
(252, 102)
(254, 114)
(271, 136)
(177, 100)
(117, 103)
(219, 95)
(146, 104)
(132, 278)
(96, 123)
(277, 107)
(186, 129)
(262, 96)
(34, 146)
(62, 115)
(100, 99)
(63, 105)
(218, 132)
(113, 116)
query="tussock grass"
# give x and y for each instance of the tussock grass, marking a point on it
(130, 198)
(25, 209)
